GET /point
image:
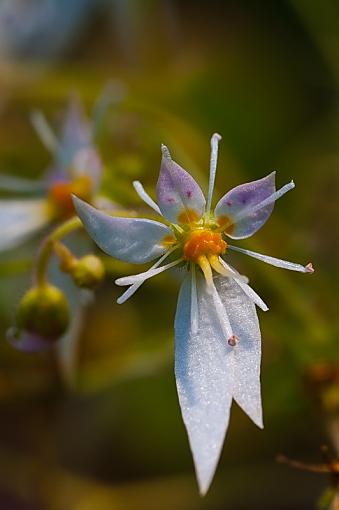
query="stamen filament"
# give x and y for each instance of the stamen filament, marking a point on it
(44, 130)
(206, 269)
(222, 314)
(145, 196)
(246, 288)
(129, 280)
(213, 168)
(264, 203)
(275, 262)
(194, 301)
(133, 288)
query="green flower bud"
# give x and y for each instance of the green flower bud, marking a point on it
(44, 311)
(88, 272)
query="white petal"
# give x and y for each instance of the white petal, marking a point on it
(20, 219)
(275, 262)
(204, 378)
(247, 353)
(132, 240)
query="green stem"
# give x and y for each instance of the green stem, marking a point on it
(47, 247)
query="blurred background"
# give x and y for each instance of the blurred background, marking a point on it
(264, 75)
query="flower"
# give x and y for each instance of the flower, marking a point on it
(76, 169)
(217, 333)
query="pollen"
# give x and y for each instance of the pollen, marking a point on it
(226, 223)
(168, 241)
(203, 242)
(61, 191)
(188, 216)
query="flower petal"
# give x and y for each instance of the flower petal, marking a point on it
(242, 200)
(132, 240)
(20, 219)
(203, 377)
(247, 353)
(179, 196)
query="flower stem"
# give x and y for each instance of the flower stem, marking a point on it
(47, 247)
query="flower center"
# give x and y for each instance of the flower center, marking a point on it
(203, 242)
(60, 195)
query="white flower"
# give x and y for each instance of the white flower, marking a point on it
(217, 332)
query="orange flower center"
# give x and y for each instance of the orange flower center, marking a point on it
(60, 195)
(203, 242)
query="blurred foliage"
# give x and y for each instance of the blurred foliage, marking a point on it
(264, 75)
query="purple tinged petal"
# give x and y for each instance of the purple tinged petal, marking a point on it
(132, 240)
(179, 196)
(242, 201)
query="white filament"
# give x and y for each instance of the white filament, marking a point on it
(141, 277)
(145, 196)
(272, 198)
(273, 261)
(44, 130)
(246, 288)
(133, 288)
(213, 169)
(194, 302)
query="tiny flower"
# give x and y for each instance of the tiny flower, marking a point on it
(76, 169)
(217, 332)
(42, 318)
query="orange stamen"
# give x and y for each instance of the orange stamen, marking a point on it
(203, 242)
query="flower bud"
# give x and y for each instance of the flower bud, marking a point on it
(88, 272)
(44, 311)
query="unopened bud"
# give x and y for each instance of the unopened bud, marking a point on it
(44, 311)
(88, 272)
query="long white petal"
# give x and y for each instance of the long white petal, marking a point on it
(141, 277)
(273, 261)
(20, 219)
(203, 368)
(145, 196)
(245, 287)
(245, 365)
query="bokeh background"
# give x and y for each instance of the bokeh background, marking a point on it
(264, 75)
